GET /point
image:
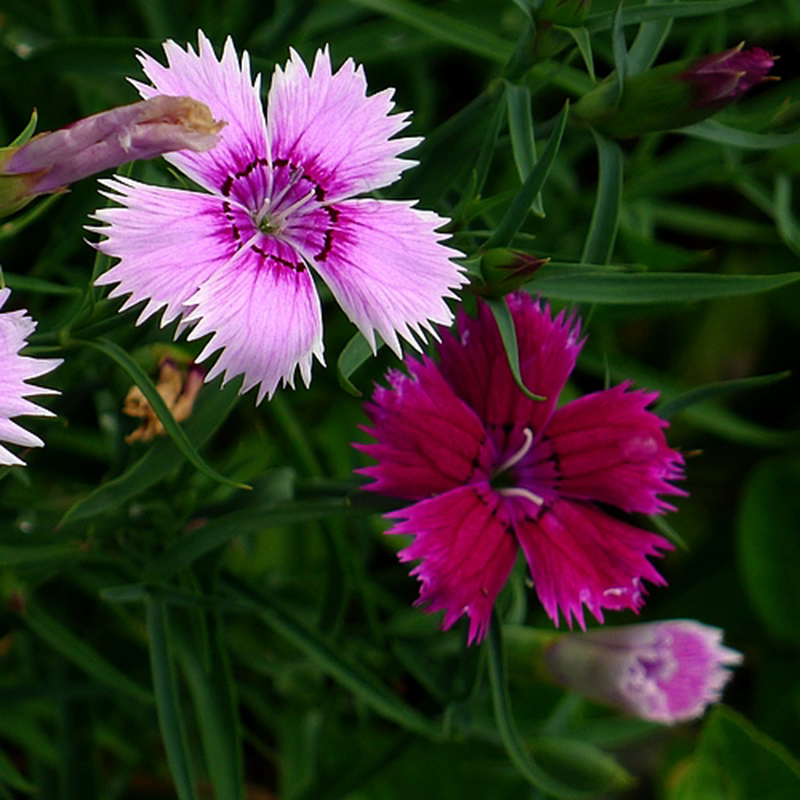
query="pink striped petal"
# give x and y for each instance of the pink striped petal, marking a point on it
(226, 87)
(467, 549)
(264, 314)
(386, 267)
(609, 448)
(428, 441)
(474, 363)
(325, 123)
(579, 555)
(168, 241)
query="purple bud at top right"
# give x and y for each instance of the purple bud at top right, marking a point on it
(722, 77)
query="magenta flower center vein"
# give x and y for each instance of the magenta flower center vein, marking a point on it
(285, 219)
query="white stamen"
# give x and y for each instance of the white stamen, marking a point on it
(518, 491)
(520, 454)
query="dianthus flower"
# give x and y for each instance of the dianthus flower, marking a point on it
(234, 262)
(15, 371)
(492, 471)
(667, 671)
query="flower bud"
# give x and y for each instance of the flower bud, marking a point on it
(504, 271)
(673, 95)
(662, 671)
(51, 161)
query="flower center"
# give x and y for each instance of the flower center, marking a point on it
(275, 213)
(503, 479)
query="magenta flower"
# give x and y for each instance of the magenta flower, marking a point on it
(234, 262)
(661, 671)
(15, 371)
(492, 471)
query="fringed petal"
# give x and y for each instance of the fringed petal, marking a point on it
(428, 441)
(467, 550)
(580, 556)
(325, 123)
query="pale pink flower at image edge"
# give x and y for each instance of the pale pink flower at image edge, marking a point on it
(233, 262)
(668, 671)
(15, 372)
(491, 471)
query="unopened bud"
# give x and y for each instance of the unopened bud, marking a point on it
(673, 95)
(51, 161)
(504, 271)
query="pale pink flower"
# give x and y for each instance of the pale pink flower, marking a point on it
(15, 372)
(663, 671)
(233, 262)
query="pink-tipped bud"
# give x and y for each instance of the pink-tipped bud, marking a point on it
(504, 271)
(662, 671)
(673, 95)
(721, 78)
(51, 161)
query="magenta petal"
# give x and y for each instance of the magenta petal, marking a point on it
(264, 315)
(325, 123)
(475, 365)
(467, 550)
(579, 555)
(609, 448)
(385, 265)
(226, 87)
(428, 441)
(168, 241)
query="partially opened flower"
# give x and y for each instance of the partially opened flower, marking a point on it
(15, 371)
(492, 471)
(234, 262)
(662, 671)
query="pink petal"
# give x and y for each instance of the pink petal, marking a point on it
(474, 362)
(264, 314)
(467, 550)
(227, 88)
(610, 449)
(385, 265)
(429, 441)
(15, 372)
(579, 555)
(168, 241)
(325, 123)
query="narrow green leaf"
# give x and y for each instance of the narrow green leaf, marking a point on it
(620, 52)
(81, 654)
(24, 555)
(27, 131)
(328, 656)
(161, 459)
(214, 697)
(12, 778)
(664, 528)
(651, 287)
(507, 727)
(508, 333)
(523, 140)
(29, 283)
(521, 205)
(713, 131)
(353, 355)
(709, 391)
(175, 431)
(785, 220)
(599, 244)
(444, 28)
(664, 10)
(14, 226)
(648, 43)
(220, 531)
(486, 153)
(170, 714)
(584, 42)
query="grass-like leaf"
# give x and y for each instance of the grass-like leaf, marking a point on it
(602, 233)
